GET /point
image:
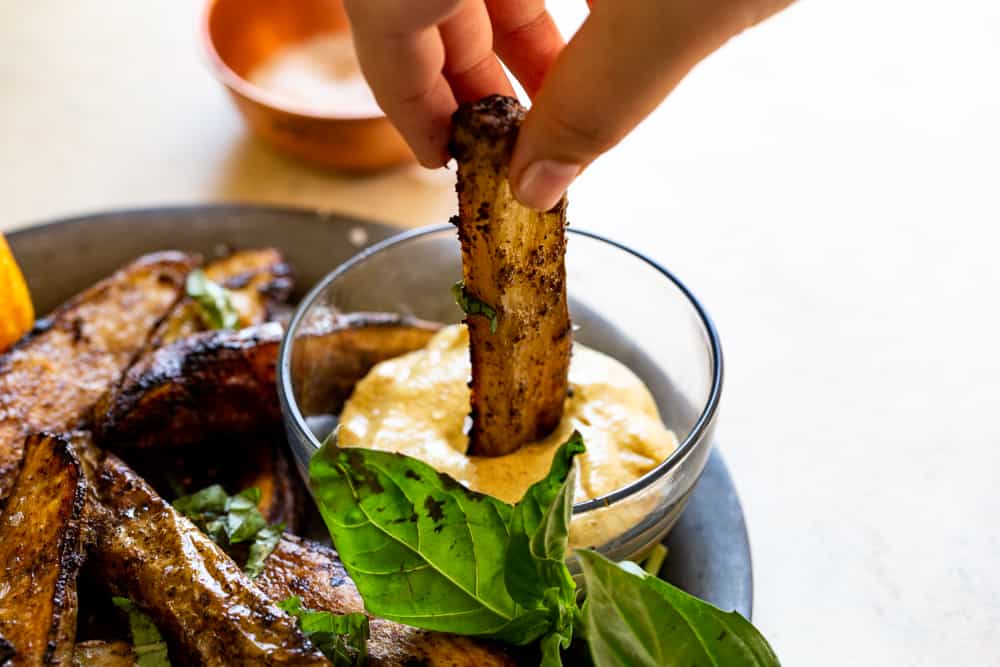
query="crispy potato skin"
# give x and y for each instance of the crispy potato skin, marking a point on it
(95, 653)
(259, 282)
(41, 551)
(223, 382)
(513, 260)
(52, 377)
(204, 384)
(314, 573)
(209, 611)
(340, 354)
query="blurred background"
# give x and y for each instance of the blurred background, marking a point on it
(828, 184)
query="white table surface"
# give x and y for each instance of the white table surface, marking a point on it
(828, 184)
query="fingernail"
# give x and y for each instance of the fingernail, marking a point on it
(542, 183)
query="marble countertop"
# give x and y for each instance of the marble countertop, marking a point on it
(828, 184)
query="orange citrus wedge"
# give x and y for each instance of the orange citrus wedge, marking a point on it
(17, 315)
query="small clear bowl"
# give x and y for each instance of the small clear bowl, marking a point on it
(622, 304)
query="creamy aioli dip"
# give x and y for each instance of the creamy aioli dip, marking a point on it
(417, 404)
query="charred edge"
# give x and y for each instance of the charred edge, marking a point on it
(495, 119)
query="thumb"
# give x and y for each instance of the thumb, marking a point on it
(627, 56)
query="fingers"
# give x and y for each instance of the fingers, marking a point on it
(402, 56)
(526, 38)
(626, 58)
(470, 65)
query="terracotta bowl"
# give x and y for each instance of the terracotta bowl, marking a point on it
(238, 35)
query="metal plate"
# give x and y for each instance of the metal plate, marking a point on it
(709, 552)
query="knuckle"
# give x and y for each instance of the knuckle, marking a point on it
(582, 133)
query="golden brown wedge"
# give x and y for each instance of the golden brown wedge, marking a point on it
(51, 379)
(223, 382)
(314, 573)
(258, 280)
(41, 550)
(513, 262)
(209, 612)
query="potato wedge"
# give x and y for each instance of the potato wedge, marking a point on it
(96, 653)
(513, 262)
(41, 550)
(207, 609)
(51, 379)
(314, 573)
(259, 282)
(223, 382)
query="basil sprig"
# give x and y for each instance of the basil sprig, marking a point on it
(633, 618)
(233, 520)
(342, 638)
(472, 305)
(147, 642)
(428, 552)
(215, 306)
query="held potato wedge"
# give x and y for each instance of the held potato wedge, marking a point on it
(209, 612)
(513, 263)
(314, 573)
(41, 550)
(259, 282)
(51, 379)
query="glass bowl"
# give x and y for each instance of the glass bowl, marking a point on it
(622, 304)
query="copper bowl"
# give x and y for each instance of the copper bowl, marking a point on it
(238, 35)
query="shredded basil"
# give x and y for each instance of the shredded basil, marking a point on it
(147, 642)
(215, 305)
(342, 638)
(472, 305)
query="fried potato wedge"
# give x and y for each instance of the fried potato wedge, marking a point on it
(259, 283)
(207, 609)
(513, 263)
(95, 653)
(223, 382)
(41, 551)
(314, 573)
(51, 379)
(205, 384)
(328, 364)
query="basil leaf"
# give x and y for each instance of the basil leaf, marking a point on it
(264, 543)
(147, 642)
(342, 638)
(215, 307)
(536, 574)
(211, 499)
(243, 519)
(230, 520)
(471, 305)
(422, 549)
(637, 619)
(426, 551)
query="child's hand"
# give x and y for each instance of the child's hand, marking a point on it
(423, 57)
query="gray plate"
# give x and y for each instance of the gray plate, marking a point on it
(709, 552)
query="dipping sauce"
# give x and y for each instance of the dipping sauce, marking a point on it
(417, 404)
(320, 76)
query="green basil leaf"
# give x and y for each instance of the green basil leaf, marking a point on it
(215, 306)
(472, 305)
(263, 544)
(211, 499)
(343, 638)
(536, 574)
(637, 619)
(147, 642)
(231, 520)
(422, 549)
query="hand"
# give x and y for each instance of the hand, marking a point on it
(424, 57)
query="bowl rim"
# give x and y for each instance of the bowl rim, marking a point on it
(243, 87)
(697, 434)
